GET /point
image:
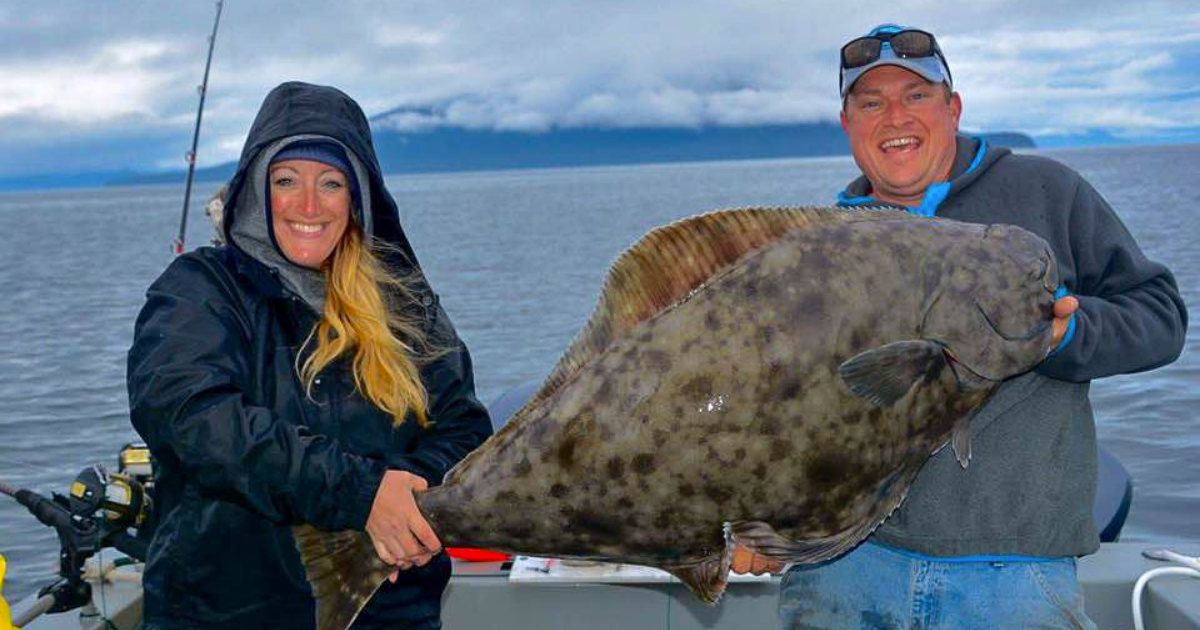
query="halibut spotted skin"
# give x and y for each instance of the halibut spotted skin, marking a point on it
(773, 378)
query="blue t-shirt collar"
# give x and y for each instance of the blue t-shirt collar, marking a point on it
(934, 195)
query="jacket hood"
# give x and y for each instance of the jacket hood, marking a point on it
(292, 112)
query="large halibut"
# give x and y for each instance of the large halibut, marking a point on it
(773, 378)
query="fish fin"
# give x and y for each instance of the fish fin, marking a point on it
(885, 374)
(960, 436)
(668, 263)
(707, 578)
(761, 538)
(960, 440)
(344, 571)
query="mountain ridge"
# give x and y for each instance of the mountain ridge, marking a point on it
(453, 149)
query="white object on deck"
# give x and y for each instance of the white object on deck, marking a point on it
(1191, 567)
(532, 569)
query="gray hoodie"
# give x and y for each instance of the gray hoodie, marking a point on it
(1032, 480)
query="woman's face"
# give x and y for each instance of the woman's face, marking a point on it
(310, 207)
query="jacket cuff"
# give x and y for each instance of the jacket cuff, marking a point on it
(364, 497)
(416, 466)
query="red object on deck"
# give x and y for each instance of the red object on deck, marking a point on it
(476, 555)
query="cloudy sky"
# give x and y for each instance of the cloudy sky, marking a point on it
(103, 85)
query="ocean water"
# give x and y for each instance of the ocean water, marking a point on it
(518, 258)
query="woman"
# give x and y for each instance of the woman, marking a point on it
(304, 374)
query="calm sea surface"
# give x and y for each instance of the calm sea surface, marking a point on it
(518, 258)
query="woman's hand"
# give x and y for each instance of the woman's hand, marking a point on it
(401, 535)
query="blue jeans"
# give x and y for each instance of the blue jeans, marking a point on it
(877, 588)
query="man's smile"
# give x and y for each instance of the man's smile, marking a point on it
(902, 144)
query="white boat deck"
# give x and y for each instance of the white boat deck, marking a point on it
(481, 597)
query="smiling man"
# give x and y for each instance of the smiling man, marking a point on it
(992, 545)
(902, 130)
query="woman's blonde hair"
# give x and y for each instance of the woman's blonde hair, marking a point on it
(359, 317)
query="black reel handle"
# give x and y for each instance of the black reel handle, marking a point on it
(78, 541)
(46, 510)
(76, 534)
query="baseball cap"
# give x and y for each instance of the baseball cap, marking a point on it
(893, 45)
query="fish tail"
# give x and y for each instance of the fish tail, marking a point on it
(344, 571)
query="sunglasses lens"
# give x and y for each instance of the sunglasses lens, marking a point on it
(912, 44)
(860, 52)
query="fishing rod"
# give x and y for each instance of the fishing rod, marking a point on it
(77, 536)
(191, 155)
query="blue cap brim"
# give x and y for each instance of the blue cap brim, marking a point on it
(928, 68)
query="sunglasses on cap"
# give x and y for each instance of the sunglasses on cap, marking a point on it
(906, 44)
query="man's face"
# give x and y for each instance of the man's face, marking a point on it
(901, 131)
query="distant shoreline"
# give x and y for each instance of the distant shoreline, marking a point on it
(462, 150)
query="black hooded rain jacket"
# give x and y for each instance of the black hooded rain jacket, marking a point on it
(241, 452)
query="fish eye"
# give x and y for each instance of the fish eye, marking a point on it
(1040, 269)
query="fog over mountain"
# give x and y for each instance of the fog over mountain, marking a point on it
(92, 89)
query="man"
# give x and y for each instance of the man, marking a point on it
(992, 546)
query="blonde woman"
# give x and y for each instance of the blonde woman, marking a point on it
(303, 374)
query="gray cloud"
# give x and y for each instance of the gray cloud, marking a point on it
(126, 69)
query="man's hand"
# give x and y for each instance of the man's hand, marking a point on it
(746, 561)
(401, 536)
(1064, 309)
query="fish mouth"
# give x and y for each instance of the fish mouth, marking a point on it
(972, 378)
(1046, 273)
(967, 378)
(1031, 334)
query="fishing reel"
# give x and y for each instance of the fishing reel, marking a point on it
(98, 513)
(117, 500)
